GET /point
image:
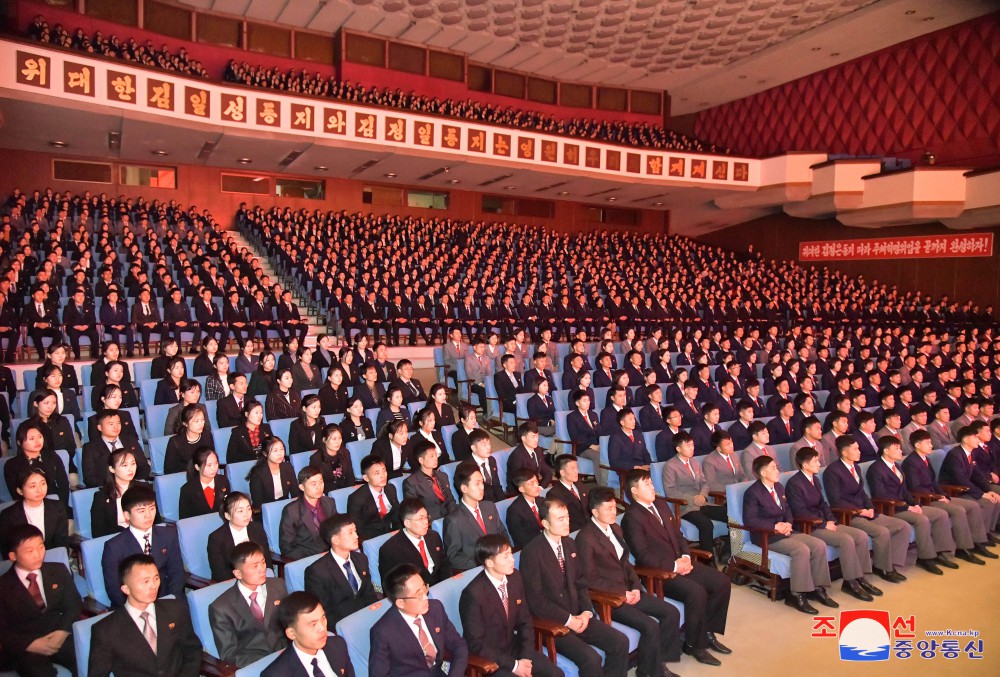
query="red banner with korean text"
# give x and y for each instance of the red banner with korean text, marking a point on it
(910, 247)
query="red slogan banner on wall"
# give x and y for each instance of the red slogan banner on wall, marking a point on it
(911, 247)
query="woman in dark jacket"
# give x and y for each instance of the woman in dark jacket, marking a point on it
(204, 364)
(333, 395)
(272, 478)
(283, 401)
(306, 432)
(356, 425)
(237, 517)
(161, 363)
(106, 515)
(263, 377)
(393, 409)
(437, 401)
(32, 489)
(190, 438)
(206, 489)
(168, 391)
(333, 460)
(31, 453)
(246, 443)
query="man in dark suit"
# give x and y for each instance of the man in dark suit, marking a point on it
(931, 525)
(244, 618)
(229, 409)
(305, 625)
(959, 468)
(139, 504)
(584, 430)
(116, 322)
(428, 483)
(765, 507)
(177, 318)
(374, 505)
(627, 448)
(235, 318)
(207, 314)
(411, 388)
(145, 315)
(740, 429)
(290, 319)
(688, 404)
(539, 372)
(528, 455)
(844, 489)
(780, 427)
(38, 605)
(145, 637)
(656, 542)
(523, 520)
(617, 402)
(262, 316)
(416, 543)
(508, 384)
(41, 320)
(414, 636)
(80, 319)
(558, 591)
(482, 457)
(341, 578)
(604, 558)
(299, 533)
(96, 452)
(495, 617)
(966, 515)
(472, 519)
(567, 488)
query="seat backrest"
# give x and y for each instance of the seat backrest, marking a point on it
(398, 483)
(449, 592)
(340, 496)
(863, 471)
(415, 407)
(936, 459)
(502, 507)
(237, 473)
(600, 397)
(446, 434)
(193, 533)
(371, 548)
(522, 405)
(198, 602)
(295, 572)
(81, 643)
(299, 460)
(449, 471)
(561, 400)
(91, 552)
(168, 492)
(656, 472)
(603, 451)
(81, 500)
(257, 667)
(734, 510)
(5, 496)
(355, 629)
(358, 451)
(501, 457)
(158, 453)
(281, 428)
(156, 418)
(783, 454)
(220, 437)
(271, 516)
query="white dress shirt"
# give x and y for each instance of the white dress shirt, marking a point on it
(239, 535)
(246, 592)
(35, 516)
(135, 613)
(320, 658)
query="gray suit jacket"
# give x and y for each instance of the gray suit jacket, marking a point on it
(719, 474)
(827, 455)
(942, 439)
(239, 637)
(905, 436)
(749, 454)
(452, 354)
(829, 444)
(678, 482)
(478, 372)
(461, 531)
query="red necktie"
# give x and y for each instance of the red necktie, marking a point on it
(534, 509)
(854, 474)
(572, 488)
(381, 506)
(631, 438)
(255, 609)
(479, 520)
(210, 495)
(423, 553)
(788, 428)
(774, 496)
(35, 591)
(729, 460)
(691, 469)
(437, 489)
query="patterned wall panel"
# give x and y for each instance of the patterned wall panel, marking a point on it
(939, 92)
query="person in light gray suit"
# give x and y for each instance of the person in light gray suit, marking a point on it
(839, 424)
(758, 447)
(462, 528)
(454, 351)
(478, 368)
(722, 467)
(684, 478)
(812, 437)
(941, 435)
(918, 421)
(240, 637)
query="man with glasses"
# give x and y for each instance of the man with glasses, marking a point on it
(414, 635)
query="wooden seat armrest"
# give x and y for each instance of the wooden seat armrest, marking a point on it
(806, 525)
(653, 579)
(719, 497)
(703, 556)
(546, 632)
(196, 582)
(92, 607)
(844, 515)
(674, 501)
(479, 665)
(279, 562)
(887, 506)
(216, 667)
(926, 498)
(953, 489)
(606, 601)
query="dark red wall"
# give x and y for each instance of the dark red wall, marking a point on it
(939, 92)
(778, 236)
